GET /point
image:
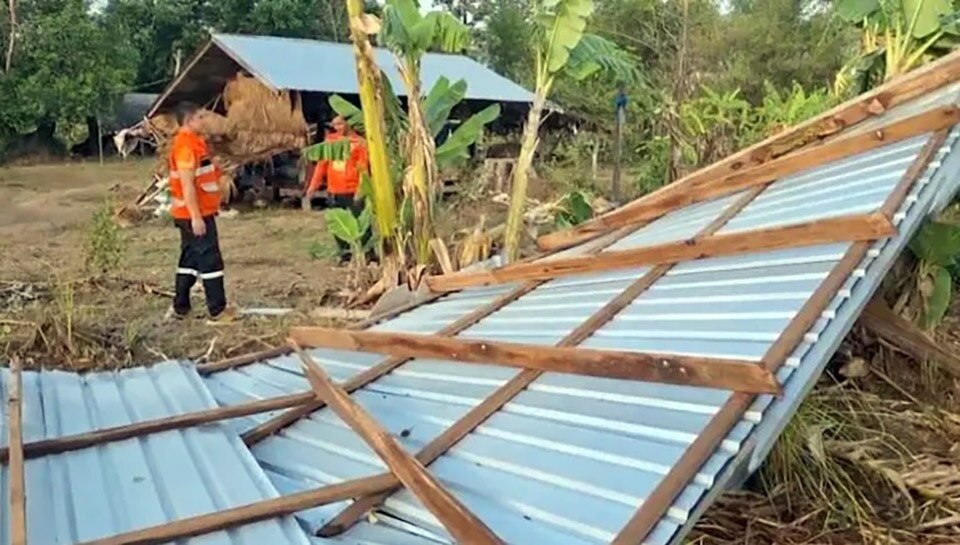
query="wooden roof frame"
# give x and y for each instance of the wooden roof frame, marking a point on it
(808, 135)
(17, 499)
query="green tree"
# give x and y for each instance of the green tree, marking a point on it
(68, 67)
(561, 47)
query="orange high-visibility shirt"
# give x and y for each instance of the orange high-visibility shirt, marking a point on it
(189, 152)
(343, 177)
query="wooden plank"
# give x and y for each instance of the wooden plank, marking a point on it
(247, 514)
(906, 337)
(737, 375)
(848, 228)
(85, 440)
(680, 475)
(463, 525)
(813, 131)
(496, 401)
(917, 168)
(18, 498)
(241, 360)
(281, 421)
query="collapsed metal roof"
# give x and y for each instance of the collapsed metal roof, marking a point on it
(543, 456)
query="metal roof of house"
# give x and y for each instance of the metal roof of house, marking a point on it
(295, 64)
(127, 485)
(568, 460)
(328, 67)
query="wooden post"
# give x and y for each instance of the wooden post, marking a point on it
(100, 140)
(463, 525)
(621, 106)
(18, 498)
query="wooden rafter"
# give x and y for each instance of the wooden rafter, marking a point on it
(825, 231)
(496, 401)
(242, 360)
(656, 505)
(916, 169)
(118, 433)
(463, 525)
(247, 514)
(736, 375)
(281, 421)
(808, 135)
(18, 498)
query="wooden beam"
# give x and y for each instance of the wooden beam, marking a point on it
(463, 525)
(118, 433)
(496, 401)
(247, 514)
(805, 135)
(737, 375)
(281, 421)
(18, 498)
(907, 337)
(242, 360)
(656, 505)
(916, 169)
(826, 231)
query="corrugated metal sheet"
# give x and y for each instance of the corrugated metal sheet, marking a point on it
(127, 485)
(327, 67)
(569, 460)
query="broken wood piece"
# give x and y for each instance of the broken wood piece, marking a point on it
(842, 229)
(327, 313)
(241, 360)
(78, 441)
(907, 337)
(18, 498)
(736, 375)
(677, 195)
(463, 525)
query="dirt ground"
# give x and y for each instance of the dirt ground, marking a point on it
(278, 258)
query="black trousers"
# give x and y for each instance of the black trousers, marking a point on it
(199, 259)
(355, 206)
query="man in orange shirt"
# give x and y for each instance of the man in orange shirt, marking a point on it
(195, 188)
(342, 177)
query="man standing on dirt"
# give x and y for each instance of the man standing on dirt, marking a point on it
(195, 188)
(342, 177)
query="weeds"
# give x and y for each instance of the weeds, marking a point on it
(105, 244)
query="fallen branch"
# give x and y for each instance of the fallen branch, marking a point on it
(907, 337)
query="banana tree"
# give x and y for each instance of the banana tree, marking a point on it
(410, 35)
(562, 48)
(896, 37)
(362, 26)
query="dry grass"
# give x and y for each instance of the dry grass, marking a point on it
(53, 312)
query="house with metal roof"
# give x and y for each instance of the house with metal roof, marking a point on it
(606, 392)
(316, 69)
